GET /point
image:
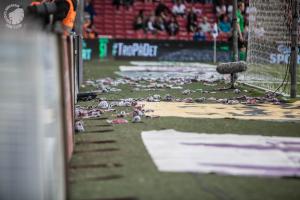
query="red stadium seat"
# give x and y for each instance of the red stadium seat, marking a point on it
(140, 35)
(98, 7)
(98, 20)
(109, 12)
(120, 36)
(149, 6)
(108, 18)
(183, 35)
(222, 37)
(162, 36)
(169, 4)
(109, 25)
(100, 31)
(130, 34)
(138, 8)
(119, 18)
(108, 8)
(119, 25)
(182, 28)
(209, 37)
(208, 9)
(173, 37)
(198, 6)
(101, 27)
(151, 36)
(191, 35)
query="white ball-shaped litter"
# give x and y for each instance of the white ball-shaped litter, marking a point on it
(79, 126)
(136, 119)
(103, 105)
(237, 91)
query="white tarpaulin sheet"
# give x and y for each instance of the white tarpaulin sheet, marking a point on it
(246, 155)
(166, 70)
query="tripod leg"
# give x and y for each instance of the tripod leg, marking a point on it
(232, 80)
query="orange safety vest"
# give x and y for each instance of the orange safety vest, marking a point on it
(69, 20)
(35, 3)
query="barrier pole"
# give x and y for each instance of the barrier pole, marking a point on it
(294, 50)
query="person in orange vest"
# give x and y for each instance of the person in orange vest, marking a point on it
(35, 3)
(69, 20)
(63, 11)
(38, 2)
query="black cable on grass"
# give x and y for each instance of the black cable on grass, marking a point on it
(284, 82)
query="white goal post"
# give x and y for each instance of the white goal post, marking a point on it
(269, 45)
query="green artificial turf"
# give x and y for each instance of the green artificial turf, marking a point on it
(125, 169)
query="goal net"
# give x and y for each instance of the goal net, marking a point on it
(269, 45)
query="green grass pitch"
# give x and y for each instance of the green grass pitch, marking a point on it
(126, 171)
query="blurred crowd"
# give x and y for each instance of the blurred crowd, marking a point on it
(165, 18)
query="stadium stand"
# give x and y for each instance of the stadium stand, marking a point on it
(118, 23)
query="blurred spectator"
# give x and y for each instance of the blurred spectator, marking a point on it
(128, 3)
(205, 25)
(173, 26)
(139, 23)
(159, 24)
(150, 24)
(166, 16)
(117, 4)
(89, 8)
(191, 20)
(88, 28)
(178, 8)
(221, 8)
(224, 7)
(199, 35)
(197, 11)
(225, 25)
(161, 8)
(229, 9)
(142, 15)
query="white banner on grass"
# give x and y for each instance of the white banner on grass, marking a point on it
(246, 155)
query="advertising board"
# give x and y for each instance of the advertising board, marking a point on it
(156, 50)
